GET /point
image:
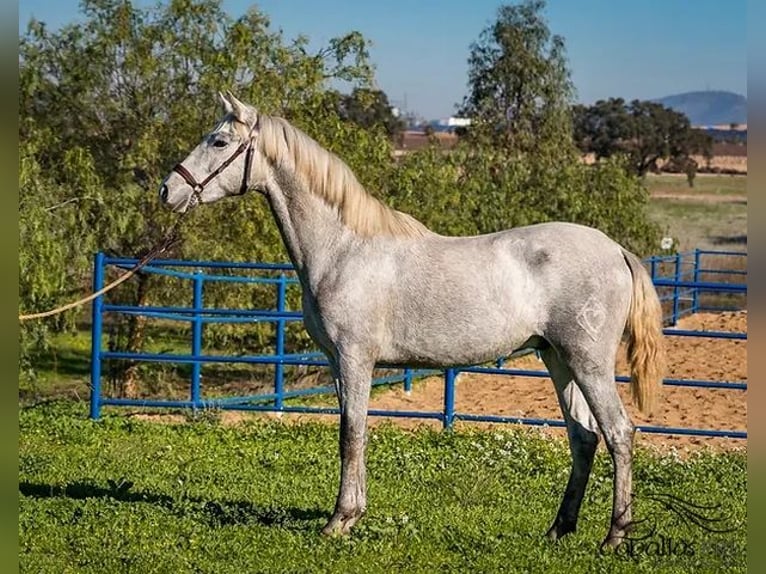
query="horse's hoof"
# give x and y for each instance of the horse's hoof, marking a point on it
(612, 541)
(340, 524)
(331, 530)
(559, 530)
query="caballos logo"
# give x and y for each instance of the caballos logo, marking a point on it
(645, 539)
(655, 545)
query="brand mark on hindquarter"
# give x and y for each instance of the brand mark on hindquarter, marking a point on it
(591, 317)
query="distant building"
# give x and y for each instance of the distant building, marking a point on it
(449, 124)
(457, 122)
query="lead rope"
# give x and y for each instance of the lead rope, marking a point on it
(168, 241)
(170, 237)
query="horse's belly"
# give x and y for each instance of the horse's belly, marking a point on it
(448, 343)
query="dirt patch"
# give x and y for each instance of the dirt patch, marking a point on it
(700, 197)
(724, 163)
(719, 163)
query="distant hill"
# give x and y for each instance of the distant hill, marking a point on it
(709, 108)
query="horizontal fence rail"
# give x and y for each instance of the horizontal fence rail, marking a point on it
(689, 282)
(683, 282)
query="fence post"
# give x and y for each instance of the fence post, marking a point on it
(696, 278)
(95, 335)
(449, 398)
(408, 380)
(676, 290)
(279, 368)
(653, 274)
(197, 338)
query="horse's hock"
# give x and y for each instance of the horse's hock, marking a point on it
(689, 407)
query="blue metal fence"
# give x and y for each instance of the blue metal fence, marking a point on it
(680, 284)
(685, 282)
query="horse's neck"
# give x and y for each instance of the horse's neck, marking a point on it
(311, 230)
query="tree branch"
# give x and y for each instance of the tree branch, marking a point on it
(63, 203)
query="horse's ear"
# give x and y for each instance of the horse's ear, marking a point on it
(227, 108)
(241, 111)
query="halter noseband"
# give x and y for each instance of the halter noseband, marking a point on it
(198, 187)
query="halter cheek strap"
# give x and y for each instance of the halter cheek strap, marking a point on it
(248, 165)
(198, 187)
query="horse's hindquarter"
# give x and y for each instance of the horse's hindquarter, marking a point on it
(585, 283)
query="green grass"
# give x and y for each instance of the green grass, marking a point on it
(123, 495)
(701, 223)
(703, 184)
(64, 368)
(704, 225)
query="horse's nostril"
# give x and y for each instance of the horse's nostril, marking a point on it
(164, 193)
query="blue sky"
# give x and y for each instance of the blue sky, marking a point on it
(640, 49)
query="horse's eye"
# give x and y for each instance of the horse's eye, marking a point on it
(220, 143)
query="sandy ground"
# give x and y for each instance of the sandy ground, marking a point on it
(736, 163)
(724, 162)
(700, 197)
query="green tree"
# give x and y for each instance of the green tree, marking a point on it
(478, 189)
(603, 127)
(644, 131)
(519, 83)
(370, 109)
(518, 163)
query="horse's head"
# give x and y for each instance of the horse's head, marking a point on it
(226, 162)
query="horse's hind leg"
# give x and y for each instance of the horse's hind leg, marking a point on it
(583, 440)
(596, 381)
(353, 396)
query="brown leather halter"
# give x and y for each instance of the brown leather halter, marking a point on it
(198, 187)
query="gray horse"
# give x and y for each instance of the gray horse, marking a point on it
(380, 288)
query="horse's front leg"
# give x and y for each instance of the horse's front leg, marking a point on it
(355, 377)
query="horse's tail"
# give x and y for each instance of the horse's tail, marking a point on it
(646, 354)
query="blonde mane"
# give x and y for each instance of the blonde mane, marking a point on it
(328, 177)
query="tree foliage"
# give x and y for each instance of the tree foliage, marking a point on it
(476, 190)
(643, 131)
(370, 109)
(519, 84)
(518, 164)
